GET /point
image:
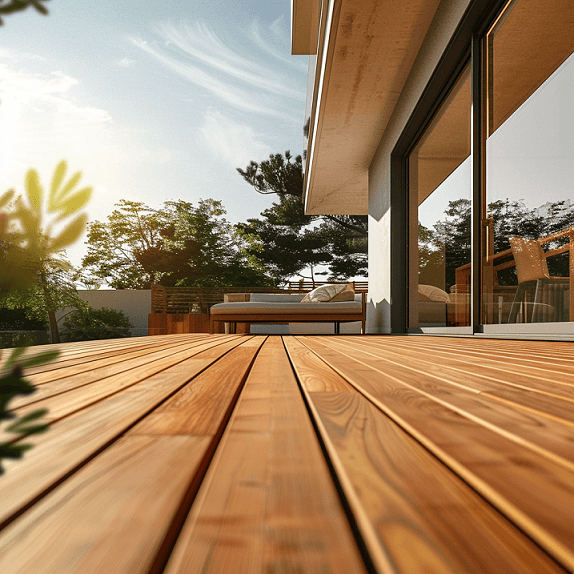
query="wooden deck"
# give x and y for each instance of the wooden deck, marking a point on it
(293, 455)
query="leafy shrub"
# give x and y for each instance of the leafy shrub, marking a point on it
(90, 324)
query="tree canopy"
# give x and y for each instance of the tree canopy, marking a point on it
(288, 242)
(178, 244)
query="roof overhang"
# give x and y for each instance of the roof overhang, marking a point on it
(304, 26)
(365, 50)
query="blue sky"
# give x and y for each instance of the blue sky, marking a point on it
(150, 100)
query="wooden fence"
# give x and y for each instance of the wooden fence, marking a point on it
(184, 300)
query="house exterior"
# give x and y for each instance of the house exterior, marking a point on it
(451, 124)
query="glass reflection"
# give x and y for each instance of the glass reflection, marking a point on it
(440, 192)
(528, 233)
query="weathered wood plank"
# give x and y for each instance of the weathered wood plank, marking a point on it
(72, 441)
(532, 488)
(268, 504)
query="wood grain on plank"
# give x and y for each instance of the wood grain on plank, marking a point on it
(200, 406)
(111, 516)
(404, 491)
(427, 519)
(73, 440)
(542, 380)
(53, 371)
(268, 504)
(70, 354)
(103, 383)
(68, 378)
(534, 491)
(520, 360)
(538, 421)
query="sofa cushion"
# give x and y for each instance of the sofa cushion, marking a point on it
(275, 298)
(323, 293)
(264, 308)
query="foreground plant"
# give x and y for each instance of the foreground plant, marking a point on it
(27, 245)
(13, 384)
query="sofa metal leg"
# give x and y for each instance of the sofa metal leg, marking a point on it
(337, 328)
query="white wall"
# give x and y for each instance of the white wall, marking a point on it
(446, 20)
(135, 304)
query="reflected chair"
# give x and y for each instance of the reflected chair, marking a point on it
(539, 297)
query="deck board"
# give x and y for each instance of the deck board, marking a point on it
(255, 454)
(530, 485)
(268, 504)
(407, 494)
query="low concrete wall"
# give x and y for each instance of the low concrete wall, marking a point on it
(135, 304)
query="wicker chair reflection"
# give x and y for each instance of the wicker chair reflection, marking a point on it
(539, 297)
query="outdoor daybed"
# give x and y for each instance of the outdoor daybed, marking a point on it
(289, 308)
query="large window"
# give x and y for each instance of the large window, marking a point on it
(529, 202)
(440, 194)
(491, 179)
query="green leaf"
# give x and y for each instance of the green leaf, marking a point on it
(34, 190)
(75, 202)
(29, 221)
(13, 357)
(6, 198)
(22, 427)
(72, 182)
(57, 179)
(30, 417)
(12, 385)
(70, 234)
(40, 359)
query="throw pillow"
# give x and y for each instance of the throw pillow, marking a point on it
(348, 294)
(323, 293)
(433, 293)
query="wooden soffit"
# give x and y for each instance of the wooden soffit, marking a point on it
(365, 52)
(304, 26)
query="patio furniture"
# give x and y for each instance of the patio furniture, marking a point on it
(539, 297)
(505, 260)
(272, 308)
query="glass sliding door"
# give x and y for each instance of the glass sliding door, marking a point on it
(528, 228)
(439, 182)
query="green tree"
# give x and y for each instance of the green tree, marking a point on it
(178, 244)
(53, 290)
(90, 324)
(29, 226)
(286, 240)
(113, 246)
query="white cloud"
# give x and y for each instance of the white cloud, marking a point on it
(229, 94)
(200, 43)
(235, 143)
(228, 71)
(125, 63)
(270, 46)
